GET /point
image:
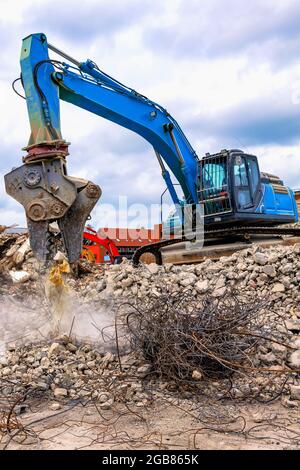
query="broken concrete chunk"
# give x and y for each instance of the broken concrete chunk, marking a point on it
(187, 281)
(107, 359)
(60, 392)
(153, 268)
(20, 254)
(107, 405)
(104, 397)
(278, 288)
(286, 402)
(71, 347)
(269, 270)
(45, 363)
(219, 292)
(19, 277)
(196, 375)
(269, 358)
(295, 392)
(127, 282)
(287, 268)
(296, 248)
(221, 282)
(60, 257)
(293, 325)
(202, 286)
(55, 406)
(144, 370)
(294, 360)
(11, 251)
(260, 258)
(55, 348)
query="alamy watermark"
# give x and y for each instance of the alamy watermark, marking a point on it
(142, 222)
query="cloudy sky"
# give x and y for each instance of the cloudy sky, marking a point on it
(227, 70)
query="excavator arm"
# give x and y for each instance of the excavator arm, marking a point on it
(42, 184)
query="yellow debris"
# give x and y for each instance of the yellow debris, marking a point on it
(88, 255)
(57, 271)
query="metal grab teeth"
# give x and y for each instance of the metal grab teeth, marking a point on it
(48, 195)
(54, 243)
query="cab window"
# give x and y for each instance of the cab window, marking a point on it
(214, 175)
(254, 174)
(241, 183)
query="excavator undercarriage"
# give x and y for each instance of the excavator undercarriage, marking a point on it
(217, 238)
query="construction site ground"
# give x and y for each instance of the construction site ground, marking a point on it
(194, 356)
(160, 426)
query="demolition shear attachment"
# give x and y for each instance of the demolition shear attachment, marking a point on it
(49, 195)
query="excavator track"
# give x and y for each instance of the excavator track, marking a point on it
(244, 232)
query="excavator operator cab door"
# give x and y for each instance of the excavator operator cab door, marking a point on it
(246, 182)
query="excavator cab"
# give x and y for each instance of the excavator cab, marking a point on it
(233, 191)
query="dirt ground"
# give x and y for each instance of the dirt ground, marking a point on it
(61, 381)
(159, 426)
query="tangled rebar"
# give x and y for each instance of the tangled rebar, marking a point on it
(185, 338)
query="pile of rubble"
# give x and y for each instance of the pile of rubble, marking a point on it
(16, 258)
(64, 370)
(271, 272)
(69, 370)
(274, 272)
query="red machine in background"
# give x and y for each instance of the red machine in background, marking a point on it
(96, 249)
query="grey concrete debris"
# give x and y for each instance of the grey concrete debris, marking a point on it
(68, 369)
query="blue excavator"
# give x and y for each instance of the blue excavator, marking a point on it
(234, 196)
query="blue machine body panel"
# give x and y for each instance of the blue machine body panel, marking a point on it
(42, 100)
(275, 203)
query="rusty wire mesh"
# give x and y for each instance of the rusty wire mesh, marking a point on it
(178, 334)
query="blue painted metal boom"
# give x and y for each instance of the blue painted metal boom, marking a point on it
(87, 87)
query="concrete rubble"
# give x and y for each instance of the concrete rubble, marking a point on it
(65, 369)
(274, 271)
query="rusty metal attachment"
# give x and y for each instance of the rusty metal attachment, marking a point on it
(57, 209)
(32, 177)
(54, 149)
(93, 191)
(36, 210)
(48, 194)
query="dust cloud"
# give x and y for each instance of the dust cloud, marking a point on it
(55, 311)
